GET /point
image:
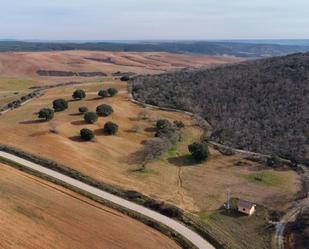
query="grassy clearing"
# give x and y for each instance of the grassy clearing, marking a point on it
(237, 231)
(266, 178)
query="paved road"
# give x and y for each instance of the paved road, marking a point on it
(197, 240)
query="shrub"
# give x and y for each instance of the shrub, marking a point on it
(273, 161)
(46, 113)
(103, 93)
(82, 109)
(179, 124)
(86, 134)
(90, 117)
(165, 130)
(199, 151)
(112, 91)
(163, 124)
(125, 78)
(79, 94)
(110, 128)
(104, 110)
(60, 105)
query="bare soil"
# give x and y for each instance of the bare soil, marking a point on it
(37, 214)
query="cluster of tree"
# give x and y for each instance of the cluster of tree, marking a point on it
(261, 105)
(58, 106)
(110, 92)
(301, 229)
(166, 135)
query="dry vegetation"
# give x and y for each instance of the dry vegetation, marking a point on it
(25, 65)
(260, 106)
(173, 178)
(196, 188)
(37, 214)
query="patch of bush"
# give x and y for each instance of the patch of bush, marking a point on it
(91, 117)
(112, 92)
(79, 94)
(273, 161)
(199, 151)
(166, 130)
(110, 128)
(46, 114)
(86, 134)
(60, 105)
(125, 78)
(179, 124)
(104, 110)
(82, 110)
(103, 93)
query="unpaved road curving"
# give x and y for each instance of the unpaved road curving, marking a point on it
(197, 240)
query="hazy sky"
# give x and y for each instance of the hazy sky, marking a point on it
(154, 19)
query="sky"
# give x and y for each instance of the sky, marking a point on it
(154, 19)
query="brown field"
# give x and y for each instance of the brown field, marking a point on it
(199, 189)
(192, 187)
(24, 65)
(37, 214)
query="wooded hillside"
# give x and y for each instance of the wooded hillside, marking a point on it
(261, 105)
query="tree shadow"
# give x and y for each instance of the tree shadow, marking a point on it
(95, 98)
(75, 114)
(37, 121)
(183, 161)
(231, 213)
(150, 129)
(134, 158)
(99, 132)
(40, 133)
(79, 122)
(74, 100)
(78, 139)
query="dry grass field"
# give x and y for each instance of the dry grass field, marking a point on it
(24, 65)
(37, 214)
(192, 187)
(199, 189)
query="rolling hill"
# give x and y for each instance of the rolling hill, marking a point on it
(261, 105)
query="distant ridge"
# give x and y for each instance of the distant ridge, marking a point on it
(231, 48)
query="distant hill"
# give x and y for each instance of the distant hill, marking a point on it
(239, 49)
(260, 105)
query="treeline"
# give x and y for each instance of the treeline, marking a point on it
(238, 49)
(261, 105)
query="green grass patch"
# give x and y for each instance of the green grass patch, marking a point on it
(265, 178)
(172, 151)
(143, 171)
